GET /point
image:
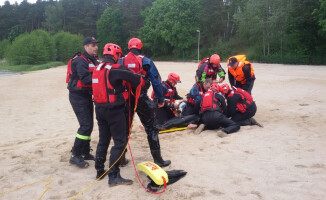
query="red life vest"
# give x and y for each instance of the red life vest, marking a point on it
(210, 102)
(91, 67)
(169, 96)
(134, 63)
(201, 93)
(211, 72)
(246, 99)
(103, 91)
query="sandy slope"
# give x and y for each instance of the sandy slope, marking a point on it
(284, 160)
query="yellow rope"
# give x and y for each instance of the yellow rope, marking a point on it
(47, 187)
(49, 180)
(173, 129)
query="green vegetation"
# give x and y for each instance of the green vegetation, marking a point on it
(278, 31)
(19, 68)
(3, 46)
(109, 28)
(66, 45)
(36, 47)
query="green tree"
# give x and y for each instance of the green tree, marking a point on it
(3, 46)
(36, 47)
(66, 45)
(110, 29)
(15, 31)
(320, 15)
(54, 18)
(171, 23)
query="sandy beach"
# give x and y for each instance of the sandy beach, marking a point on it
(285, 160)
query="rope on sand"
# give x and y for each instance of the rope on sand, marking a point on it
(47, 187)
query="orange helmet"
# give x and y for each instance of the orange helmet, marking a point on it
(112, 49)
(224, 88)
(215, 59)
(215, 87)
(135, 43)
(174, 78)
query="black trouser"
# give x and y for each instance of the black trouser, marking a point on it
(179, 121)
(250, 112)
(82, 104)
(246, 88)
(214, 119)
(146, 113)
(188, 110)
(111, 123)
(163, 114)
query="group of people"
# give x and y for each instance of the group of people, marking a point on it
(210, 104)
(118, 85)
(118, 88)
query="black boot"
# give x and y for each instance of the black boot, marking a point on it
(158, 158)
(86, 151)
(100, 173)
(76, 158)
(254, 122)
(116, 179)
(78, 161)
(99, 166)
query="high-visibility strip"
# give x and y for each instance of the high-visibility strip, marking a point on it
(83, 137)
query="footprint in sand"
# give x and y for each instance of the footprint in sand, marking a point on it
(216, 192)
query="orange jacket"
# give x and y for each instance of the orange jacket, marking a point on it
(238, 72)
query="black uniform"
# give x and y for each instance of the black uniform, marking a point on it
(81, 101)
(233, 112)
(146, 108)
(111, 118)
(249, 84)
(214, 118)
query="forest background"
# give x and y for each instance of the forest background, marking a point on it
(273, 31)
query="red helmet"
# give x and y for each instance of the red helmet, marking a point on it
(215, 59)
(215, 87)
(174, 78)
(224, 88)
(112, 49)
(135, 43)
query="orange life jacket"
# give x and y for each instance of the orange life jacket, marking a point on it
(238, 72)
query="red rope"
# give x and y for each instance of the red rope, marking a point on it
(133, 162)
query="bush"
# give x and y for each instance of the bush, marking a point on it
(3, 46)
(36, 47)
(66, 45)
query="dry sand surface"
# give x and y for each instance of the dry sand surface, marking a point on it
(284, 160)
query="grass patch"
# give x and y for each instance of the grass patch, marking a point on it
(19, 68)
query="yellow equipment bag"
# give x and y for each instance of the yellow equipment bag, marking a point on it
(154, 171)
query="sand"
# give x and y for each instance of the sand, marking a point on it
(284, 160)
